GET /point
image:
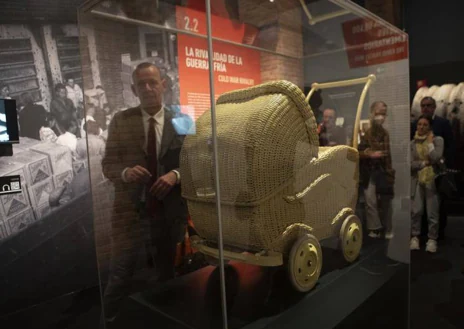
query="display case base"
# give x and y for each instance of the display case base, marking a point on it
(260, 297)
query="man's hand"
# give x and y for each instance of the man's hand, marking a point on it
(137, 174)
(163, 185)
(377, 154)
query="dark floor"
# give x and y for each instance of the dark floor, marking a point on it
(437, 282)
(436, 290)
(261, 298)
(50, 258)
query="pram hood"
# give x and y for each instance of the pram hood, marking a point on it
(265, 135)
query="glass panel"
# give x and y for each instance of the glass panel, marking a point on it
(311, 130)
(150, 274)
(314, 197)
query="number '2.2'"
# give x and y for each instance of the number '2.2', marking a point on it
(193, 27)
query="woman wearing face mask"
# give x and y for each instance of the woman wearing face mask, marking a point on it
(426, 152)
(377, 176)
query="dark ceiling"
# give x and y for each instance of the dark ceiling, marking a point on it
(56, 11)
(30, 11)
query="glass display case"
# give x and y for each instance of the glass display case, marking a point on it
(249, 162)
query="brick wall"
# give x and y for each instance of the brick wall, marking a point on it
(281, 31)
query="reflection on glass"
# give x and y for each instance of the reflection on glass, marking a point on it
(331, 134)
(142, 161)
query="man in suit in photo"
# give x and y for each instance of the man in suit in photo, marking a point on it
(142, 161)
(440, 127)
(62, 110)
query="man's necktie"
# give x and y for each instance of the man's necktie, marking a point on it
(152, 165)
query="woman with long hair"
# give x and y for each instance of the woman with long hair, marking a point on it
(426, 152)
(377, 174)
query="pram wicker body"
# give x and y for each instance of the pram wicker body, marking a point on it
(276, 184)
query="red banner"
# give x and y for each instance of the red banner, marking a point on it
(235, 67)
(370, 43)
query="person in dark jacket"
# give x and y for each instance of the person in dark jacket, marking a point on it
(32, 117)
(377, 176)
(63, 111)
(141, 159)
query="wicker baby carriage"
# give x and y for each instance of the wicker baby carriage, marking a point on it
(280, 192)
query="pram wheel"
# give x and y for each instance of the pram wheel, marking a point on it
(351, 238)
(305, 263)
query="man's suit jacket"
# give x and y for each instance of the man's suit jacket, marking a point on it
(125, 148)
(62, 109)
(441, 127)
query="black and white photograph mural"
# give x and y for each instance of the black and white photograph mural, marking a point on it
(50, 221)
(68, 82)
(41, 70)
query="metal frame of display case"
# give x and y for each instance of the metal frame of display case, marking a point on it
(316, 19)
(368, 81)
